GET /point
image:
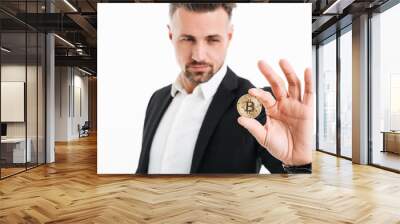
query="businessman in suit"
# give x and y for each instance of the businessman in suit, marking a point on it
(192, 126)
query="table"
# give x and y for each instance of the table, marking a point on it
(13, 150)
(391, 141)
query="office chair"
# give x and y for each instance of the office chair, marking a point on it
(84, 130)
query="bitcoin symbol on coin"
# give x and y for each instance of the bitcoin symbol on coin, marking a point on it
(248, 106)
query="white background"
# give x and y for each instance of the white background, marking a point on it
(135, 58)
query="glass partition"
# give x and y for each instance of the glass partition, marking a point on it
(22, 63)
(14, 153)
(32, 95)
(41, 109)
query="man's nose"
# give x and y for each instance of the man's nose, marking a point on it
(199, 52)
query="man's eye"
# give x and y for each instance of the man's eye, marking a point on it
(213, 40)
(187, 39)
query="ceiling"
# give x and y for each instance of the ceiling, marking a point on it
(76, 22)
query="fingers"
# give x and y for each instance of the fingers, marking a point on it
(254, 127)
(266, 98)
(308, 87)
(293, 80)
(277, 84)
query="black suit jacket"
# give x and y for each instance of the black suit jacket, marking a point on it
(223, 146)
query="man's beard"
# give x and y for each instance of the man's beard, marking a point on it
(198, 77)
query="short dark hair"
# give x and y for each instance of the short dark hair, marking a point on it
(202, 7)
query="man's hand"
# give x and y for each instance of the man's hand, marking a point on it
(287, 133)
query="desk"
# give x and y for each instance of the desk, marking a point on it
(15, 148)
(391, 141)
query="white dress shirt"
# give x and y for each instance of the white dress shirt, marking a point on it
(174, 141)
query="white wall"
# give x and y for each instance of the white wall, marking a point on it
(61, 103)
(68, 81)
(80, 83)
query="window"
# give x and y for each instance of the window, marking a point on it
(327, 96)
(385, 89)
(346, 93)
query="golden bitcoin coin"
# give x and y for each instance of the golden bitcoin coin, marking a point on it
(249, 106)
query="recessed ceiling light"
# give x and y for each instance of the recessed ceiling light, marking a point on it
(338, 6)
(70, 5)
(5, 50)
(84, 71)
(64, 40)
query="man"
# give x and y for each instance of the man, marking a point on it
(193, 126)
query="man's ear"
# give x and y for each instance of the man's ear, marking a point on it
(169, 32)
(230, 32)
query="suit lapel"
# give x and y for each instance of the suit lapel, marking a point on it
(219, 104)
(154, 121)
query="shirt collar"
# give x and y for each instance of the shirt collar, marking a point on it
(208, 89)
(177, 87)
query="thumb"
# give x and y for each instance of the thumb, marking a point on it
(254, 127)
